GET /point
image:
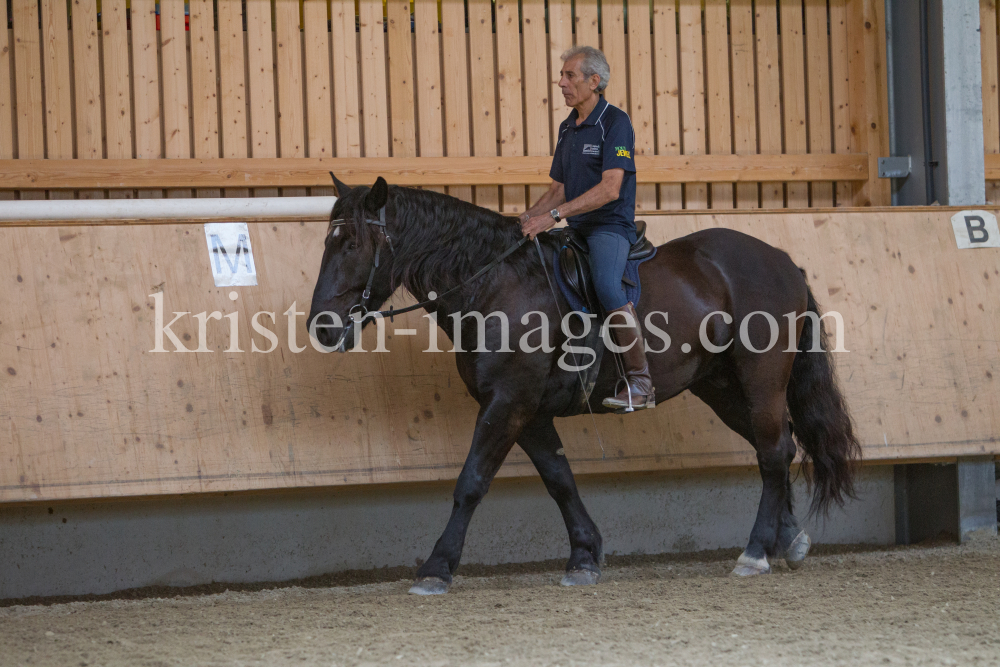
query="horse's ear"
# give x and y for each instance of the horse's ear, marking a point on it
(342, 188)
(377, 196)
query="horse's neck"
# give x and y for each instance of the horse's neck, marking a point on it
(450, 263)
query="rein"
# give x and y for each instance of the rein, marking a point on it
(362, 306)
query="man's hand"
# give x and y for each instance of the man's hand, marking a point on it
(539, 223)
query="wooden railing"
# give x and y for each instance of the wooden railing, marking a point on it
(738, 103)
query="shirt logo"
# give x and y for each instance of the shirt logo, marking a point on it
(591, 149)
(621, 151)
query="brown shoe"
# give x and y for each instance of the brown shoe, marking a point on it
(638, 392)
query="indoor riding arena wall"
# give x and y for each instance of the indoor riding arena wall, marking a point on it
(91, 411)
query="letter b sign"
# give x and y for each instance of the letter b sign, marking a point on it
(976, 229)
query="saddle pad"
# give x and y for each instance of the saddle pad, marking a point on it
(632, 292)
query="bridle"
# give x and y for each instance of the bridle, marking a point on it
(362, 306)
(359, 311)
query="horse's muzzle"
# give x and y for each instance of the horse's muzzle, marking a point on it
(323, 328)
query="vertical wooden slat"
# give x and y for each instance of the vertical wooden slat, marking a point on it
(401, 97)
(537, 90)
(744, 93)
(176, 107)
(146, 86)
(483, 97)
(991, 87)
(878, 191)
(58, 101)
(818, 92)
(613, 45)
(858, 69)
(456, 88)
(118, 83)
(204, 93)
(345, 79)
(717, 73)
(769, 94)
(641, 87)
(288, 63)
(319, 130)
(586, 23)
(28, 80)
(232, 85)
(509, 88)
(87, 80)
(668, 124)
(428, 51)
(260, 65)
(373, 79)
(87, 83)
(560, 40)
(794, 93)
(692, 95)
(840, 89)
(28, 84)
(7, 138)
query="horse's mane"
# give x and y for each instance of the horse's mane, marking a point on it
(439, 241)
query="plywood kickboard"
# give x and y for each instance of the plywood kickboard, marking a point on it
(86, 410)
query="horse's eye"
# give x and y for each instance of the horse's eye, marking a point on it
(352, 246)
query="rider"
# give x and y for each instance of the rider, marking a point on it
(593, 187)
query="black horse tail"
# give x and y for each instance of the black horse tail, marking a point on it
(820, 420)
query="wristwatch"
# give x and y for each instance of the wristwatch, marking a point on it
(555, 215)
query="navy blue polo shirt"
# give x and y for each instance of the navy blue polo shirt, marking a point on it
(605, 140)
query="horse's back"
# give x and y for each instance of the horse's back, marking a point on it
(757, 275)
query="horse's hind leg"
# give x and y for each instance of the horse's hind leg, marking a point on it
(541, 442)
(776, 532)
(775, 527)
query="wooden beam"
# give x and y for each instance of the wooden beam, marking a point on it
(992, 166)
(489, 170)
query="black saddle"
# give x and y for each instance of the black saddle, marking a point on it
(574, 261)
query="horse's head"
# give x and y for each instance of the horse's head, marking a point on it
(352, 243)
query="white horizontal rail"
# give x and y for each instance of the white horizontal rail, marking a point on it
(111, 211)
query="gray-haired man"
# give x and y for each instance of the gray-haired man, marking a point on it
(593, 187)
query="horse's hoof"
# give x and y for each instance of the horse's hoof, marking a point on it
(797, 550)
(748, 567)
(429, 586)
(580, 578)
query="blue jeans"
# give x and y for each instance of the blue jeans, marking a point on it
(608, 255)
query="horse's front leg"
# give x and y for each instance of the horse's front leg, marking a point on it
(542, 444)
(497, 427)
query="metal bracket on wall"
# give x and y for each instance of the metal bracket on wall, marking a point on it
(894, 167)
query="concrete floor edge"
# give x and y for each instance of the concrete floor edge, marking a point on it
(100, 547)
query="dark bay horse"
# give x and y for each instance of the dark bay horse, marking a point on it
(709, 282)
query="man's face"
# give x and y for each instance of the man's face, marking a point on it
(574, 85)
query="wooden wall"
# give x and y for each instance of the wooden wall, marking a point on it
(285, 90)
(990, 48)
(87, 411)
